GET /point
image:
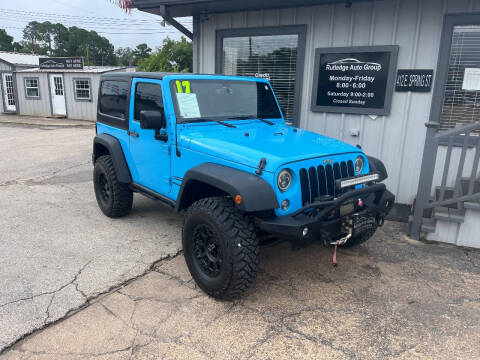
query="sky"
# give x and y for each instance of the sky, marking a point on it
(106, 18)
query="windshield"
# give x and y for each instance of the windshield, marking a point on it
(213, 100)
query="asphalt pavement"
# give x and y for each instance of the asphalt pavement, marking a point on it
(76, 285)
(57, 250)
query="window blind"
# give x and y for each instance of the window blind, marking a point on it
(461, 103)
(273, 57)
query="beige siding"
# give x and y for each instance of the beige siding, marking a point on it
(33, 107)
(414, 25)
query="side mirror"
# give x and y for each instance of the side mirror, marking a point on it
(152, 119)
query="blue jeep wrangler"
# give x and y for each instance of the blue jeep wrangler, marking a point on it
(218, 148)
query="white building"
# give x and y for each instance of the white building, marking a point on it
(70, 93)
(10, 62)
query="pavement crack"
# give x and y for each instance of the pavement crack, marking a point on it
(37, 180)
(47, 311)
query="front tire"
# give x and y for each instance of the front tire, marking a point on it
(113, 197)
(220, 247)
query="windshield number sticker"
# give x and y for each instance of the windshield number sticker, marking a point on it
(181, 85)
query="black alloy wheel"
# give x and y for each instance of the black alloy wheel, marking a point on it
(208, 253)
(220, 247)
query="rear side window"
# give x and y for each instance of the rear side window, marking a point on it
(148, 96)
(113, 98)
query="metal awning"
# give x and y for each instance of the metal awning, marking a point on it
(180, 8)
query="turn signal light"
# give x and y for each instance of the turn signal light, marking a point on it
(238, 199)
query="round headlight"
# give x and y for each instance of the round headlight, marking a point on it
(284, 180)
(358, 165)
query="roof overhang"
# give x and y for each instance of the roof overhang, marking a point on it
(180, 8)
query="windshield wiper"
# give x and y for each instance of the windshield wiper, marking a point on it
(208, 120)
(247, 117)
(225, 123)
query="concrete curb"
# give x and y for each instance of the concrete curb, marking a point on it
(47, 122)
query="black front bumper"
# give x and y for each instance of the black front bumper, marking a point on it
(324, 219)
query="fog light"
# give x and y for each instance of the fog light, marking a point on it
(305, 231)
(285, 204)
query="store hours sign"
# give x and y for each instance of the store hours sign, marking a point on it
(355, 80)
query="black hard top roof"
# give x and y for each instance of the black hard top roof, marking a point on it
(149, 75)
(128, 76)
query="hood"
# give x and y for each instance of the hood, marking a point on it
(250, 141)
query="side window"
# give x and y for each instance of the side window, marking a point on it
(113, 98)
(148, 96)
(82, 89)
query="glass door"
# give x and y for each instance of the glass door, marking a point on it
(9, 92)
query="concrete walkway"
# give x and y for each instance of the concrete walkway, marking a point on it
(13, 119)
(388, 299)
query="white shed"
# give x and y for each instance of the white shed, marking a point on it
(10, 62)
(71, 93)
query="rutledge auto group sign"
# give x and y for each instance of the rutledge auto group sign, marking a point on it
(354, 80)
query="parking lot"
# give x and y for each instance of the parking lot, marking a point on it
(391, 298)
(56, 248)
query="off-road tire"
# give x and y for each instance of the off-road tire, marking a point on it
(235, 238)
(359, 239)
(120, 197)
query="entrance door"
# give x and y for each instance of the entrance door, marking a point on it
(8, 92)
(57, 93)
(150, 156)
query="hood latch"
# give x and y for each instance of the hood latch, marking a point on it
(261, 166)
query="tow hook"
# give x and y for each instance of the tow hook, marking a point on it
(342, 240)
(346, 228)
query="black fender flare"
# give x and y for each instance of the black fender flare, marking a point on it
(256, 193)
(377, 166)
(114, 147)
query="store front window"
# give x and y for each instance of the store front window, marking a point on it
(461, 102)
(274, 57)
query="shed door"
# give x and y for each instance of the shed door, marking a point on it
(57, 93)
(8, 92)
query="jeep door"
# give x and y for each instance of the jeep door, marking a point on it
(151, 159)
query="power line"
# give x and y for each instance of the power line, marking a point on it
(36, 15)
(98, 26)
(164, 32)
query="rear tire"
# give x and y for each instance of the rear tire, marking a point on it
(113, 197)
(220, 247)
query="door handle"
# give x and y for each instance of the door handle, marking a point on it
(133, 133)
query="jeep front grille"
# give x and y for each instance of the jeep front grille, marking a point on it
(319, 181)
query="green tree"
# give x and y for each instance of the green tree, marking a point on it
(142, 51)
(95, 49)
(125, 56)
(45, 38)
(6, 41)
(172, 56)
